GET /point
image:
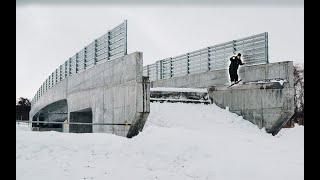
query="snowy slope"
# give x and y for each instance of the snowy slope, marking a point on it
(179, 141)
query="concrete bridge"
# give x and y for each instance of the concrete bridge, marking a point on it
(102, 89)
(113, 92)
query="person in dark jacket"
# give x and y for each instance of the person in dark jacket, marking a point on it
(233, 67)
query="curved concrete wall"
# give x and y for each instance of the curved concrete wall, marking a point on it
(115, 91)
(56, 93)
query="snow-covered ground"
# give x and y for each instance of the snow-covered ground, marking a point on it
(179, 142)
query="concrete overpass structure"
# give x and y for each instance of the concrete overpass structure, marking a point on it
(102, 89)
(112, 92)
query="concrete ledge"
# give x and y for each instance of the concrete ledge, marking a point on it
(253, 73)
(268, 105)
(185, 95)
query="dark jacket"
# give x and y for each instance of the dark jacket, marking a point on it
(235, 62)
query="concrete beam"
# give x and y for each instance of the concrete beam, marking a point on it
(253, 73)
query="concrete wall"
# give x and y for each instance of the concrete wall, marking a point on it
(252, 73)
(179, 96)
(268, 105)
(115, 91)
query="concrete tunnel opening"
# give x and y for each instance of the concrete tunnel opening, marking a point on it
(55, 112)
(81, 116)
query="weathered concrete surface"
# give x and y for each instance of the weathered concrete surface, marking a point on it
(268, 105)
(176, 95)
(115, 91)
(252, 73)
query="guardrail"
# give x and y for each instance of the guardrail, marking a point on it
(254, 50)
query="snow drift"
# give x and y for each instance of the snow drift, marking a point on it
(179, 141)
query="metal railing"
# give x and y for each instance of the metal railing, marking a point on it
(76, 123)
(254, 50)
(22, 122)
(75, 128)
(110, 46)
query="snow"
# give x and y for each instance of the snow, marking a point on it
(281, 81)
(179, 89)
(179, 141)
(181, 99)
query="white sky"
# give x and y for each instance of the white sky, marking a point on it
(47, 35)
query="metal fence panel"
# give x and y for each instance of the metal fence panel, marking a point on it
(254, 50)
(73, 65)
(109, 46)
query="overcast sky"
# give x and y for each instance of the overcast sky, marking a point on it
(48, 34)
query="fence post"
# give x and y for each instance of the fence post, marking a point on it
(156, 69)
(85, 58)
(56, 79)
(188, 65)
(40, 90)
(125, 37)
(51, 80)
(266, 47)
(66, 69)
(171, 67)
(161, 69)
(108, 46)
(208, 51)
(60, 76)
(234, 47)
(70, 66)
(95, 51)
(77, 63)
